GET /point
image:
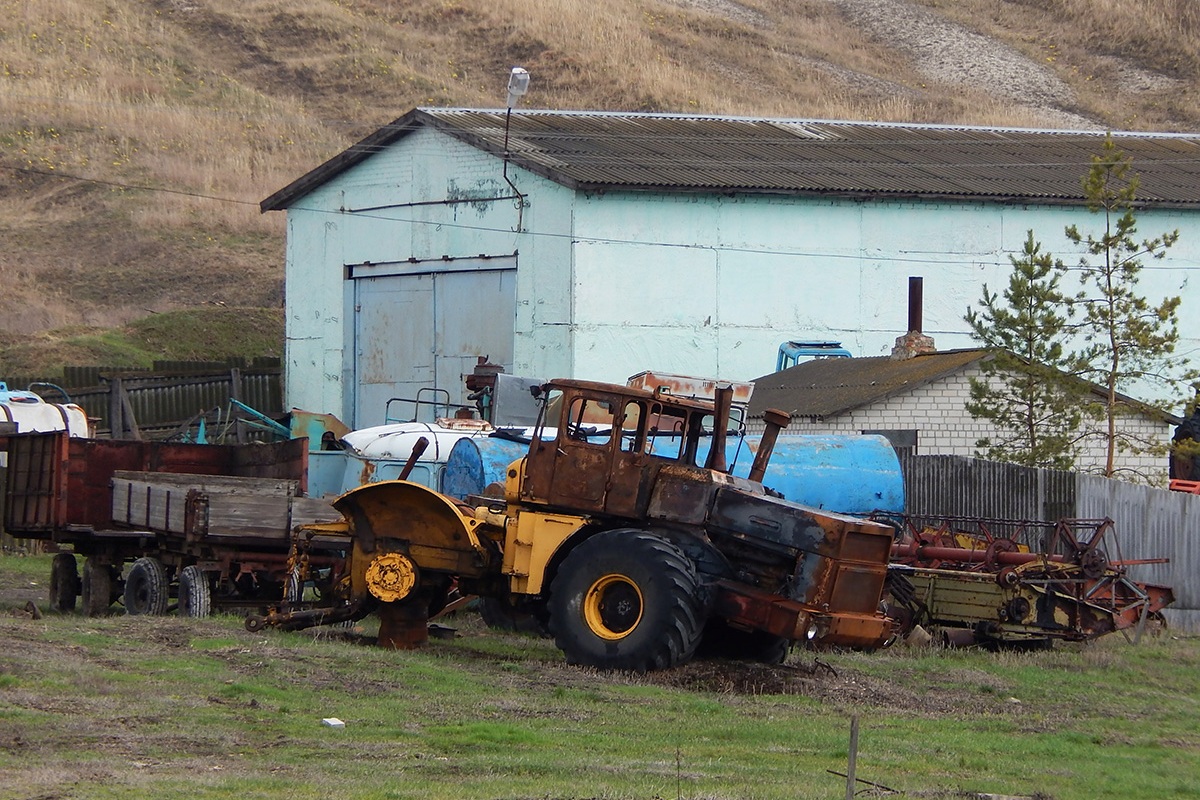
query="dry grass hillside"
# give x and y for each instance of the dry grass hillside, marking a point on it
(137, 136)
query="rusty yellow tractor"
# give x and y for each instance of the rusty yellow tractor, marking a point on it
(614, 531)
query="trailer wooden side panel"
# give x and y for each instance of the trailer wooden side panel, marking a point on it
(55, 482)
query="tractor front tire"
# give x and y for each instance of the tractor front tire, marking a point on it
(146, 588)
(627, 600)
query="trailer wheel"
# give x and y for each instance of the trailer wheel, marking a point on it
(146, 587)
(625, 599)
(64, 583)
(97, 587)
(195, 593)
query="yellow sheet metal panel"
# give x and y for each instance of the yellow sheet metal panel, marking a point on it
(533, 538)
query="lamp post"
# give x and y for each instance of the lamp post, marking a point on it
(518, 85)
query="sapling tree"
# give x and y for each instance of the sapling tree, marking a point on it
(1126, 339)
(1026, 391)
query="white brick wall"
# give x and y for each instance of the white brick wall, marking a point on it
(937, 411)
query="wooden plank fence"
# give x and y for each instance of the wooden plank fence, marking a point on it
(157, 402)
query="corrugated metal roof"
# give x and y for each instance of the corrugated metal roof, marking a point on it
(826, 387)
(595, 151)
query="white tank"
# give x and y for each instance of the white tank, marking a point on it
(34, 415)
(396, 441)
(377, 454)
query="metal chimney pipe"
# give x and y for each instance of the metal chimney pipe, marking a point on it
(915, 311)
(723, 402)
(776, 421)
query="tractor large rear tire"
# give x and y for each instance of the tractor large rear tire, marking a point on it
(64, 583)
(146, 588)
(627, 600)
(195, 593)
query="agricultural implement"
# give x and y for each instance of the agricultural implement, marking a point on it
(1006, 582)
(162, 524)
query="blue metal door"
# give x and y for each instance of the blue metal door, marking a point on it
(422, 329)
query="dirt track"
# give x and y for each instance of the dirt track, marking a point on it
(945, 52)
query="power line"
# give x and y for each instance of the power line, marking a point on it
(129, 186)
(965, 258)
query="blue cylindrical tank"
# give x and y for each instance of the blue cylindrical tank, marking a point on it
(844, 474)
(474, 463)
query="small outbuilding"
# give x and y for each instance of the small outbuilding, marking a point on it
(599, 245)
(918, 402)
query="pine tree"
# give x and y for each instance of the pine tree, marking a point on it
(1126, 339)
(1024, 393)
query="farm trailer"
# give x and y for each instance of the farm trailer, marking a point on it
(207, 525)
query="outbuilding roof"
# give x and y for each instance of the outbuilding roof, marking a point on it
(600, 151)
(826, 387)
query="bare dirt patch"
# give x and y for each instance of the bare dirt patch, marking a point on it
(949, 53)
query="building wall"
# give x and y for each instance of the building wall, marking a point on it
(711, 285)
(421, 206)
(615, 283)
(937, 411)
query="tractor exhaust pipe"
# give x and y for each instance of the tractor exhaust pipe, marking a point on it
(418, 448)
(776, 421)
(723, 403)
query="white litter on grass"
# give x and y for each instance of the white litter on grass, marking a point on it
(333, 722)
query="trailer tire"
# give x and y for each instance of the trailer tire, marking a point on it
(627, 600)
(64, 583)
(146, 588)
(293, 590)
(195, 593)
(97, 592)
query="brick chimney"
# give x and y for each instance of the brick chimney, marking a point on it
(913, 343)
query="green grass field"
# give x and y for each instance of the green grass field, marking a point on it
(175, 708)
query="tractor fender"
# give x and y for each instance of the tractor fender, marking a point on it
(431, 530)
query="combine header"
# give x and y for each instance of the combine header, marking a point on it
(1006, 582)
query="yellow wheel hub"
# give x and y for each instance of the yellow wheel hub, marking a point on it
(391, 577)
(612, 607)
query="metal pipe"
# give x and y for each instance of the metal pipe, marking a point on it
(934, 553)
(722, 404)
(418, 449)
(504, 173)
(776, 421)
(915, 303)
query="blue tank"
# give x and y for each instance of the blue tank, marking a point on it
(844, 474)
(474, 463)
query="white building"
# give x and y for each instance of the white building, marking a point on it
(599, 245)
